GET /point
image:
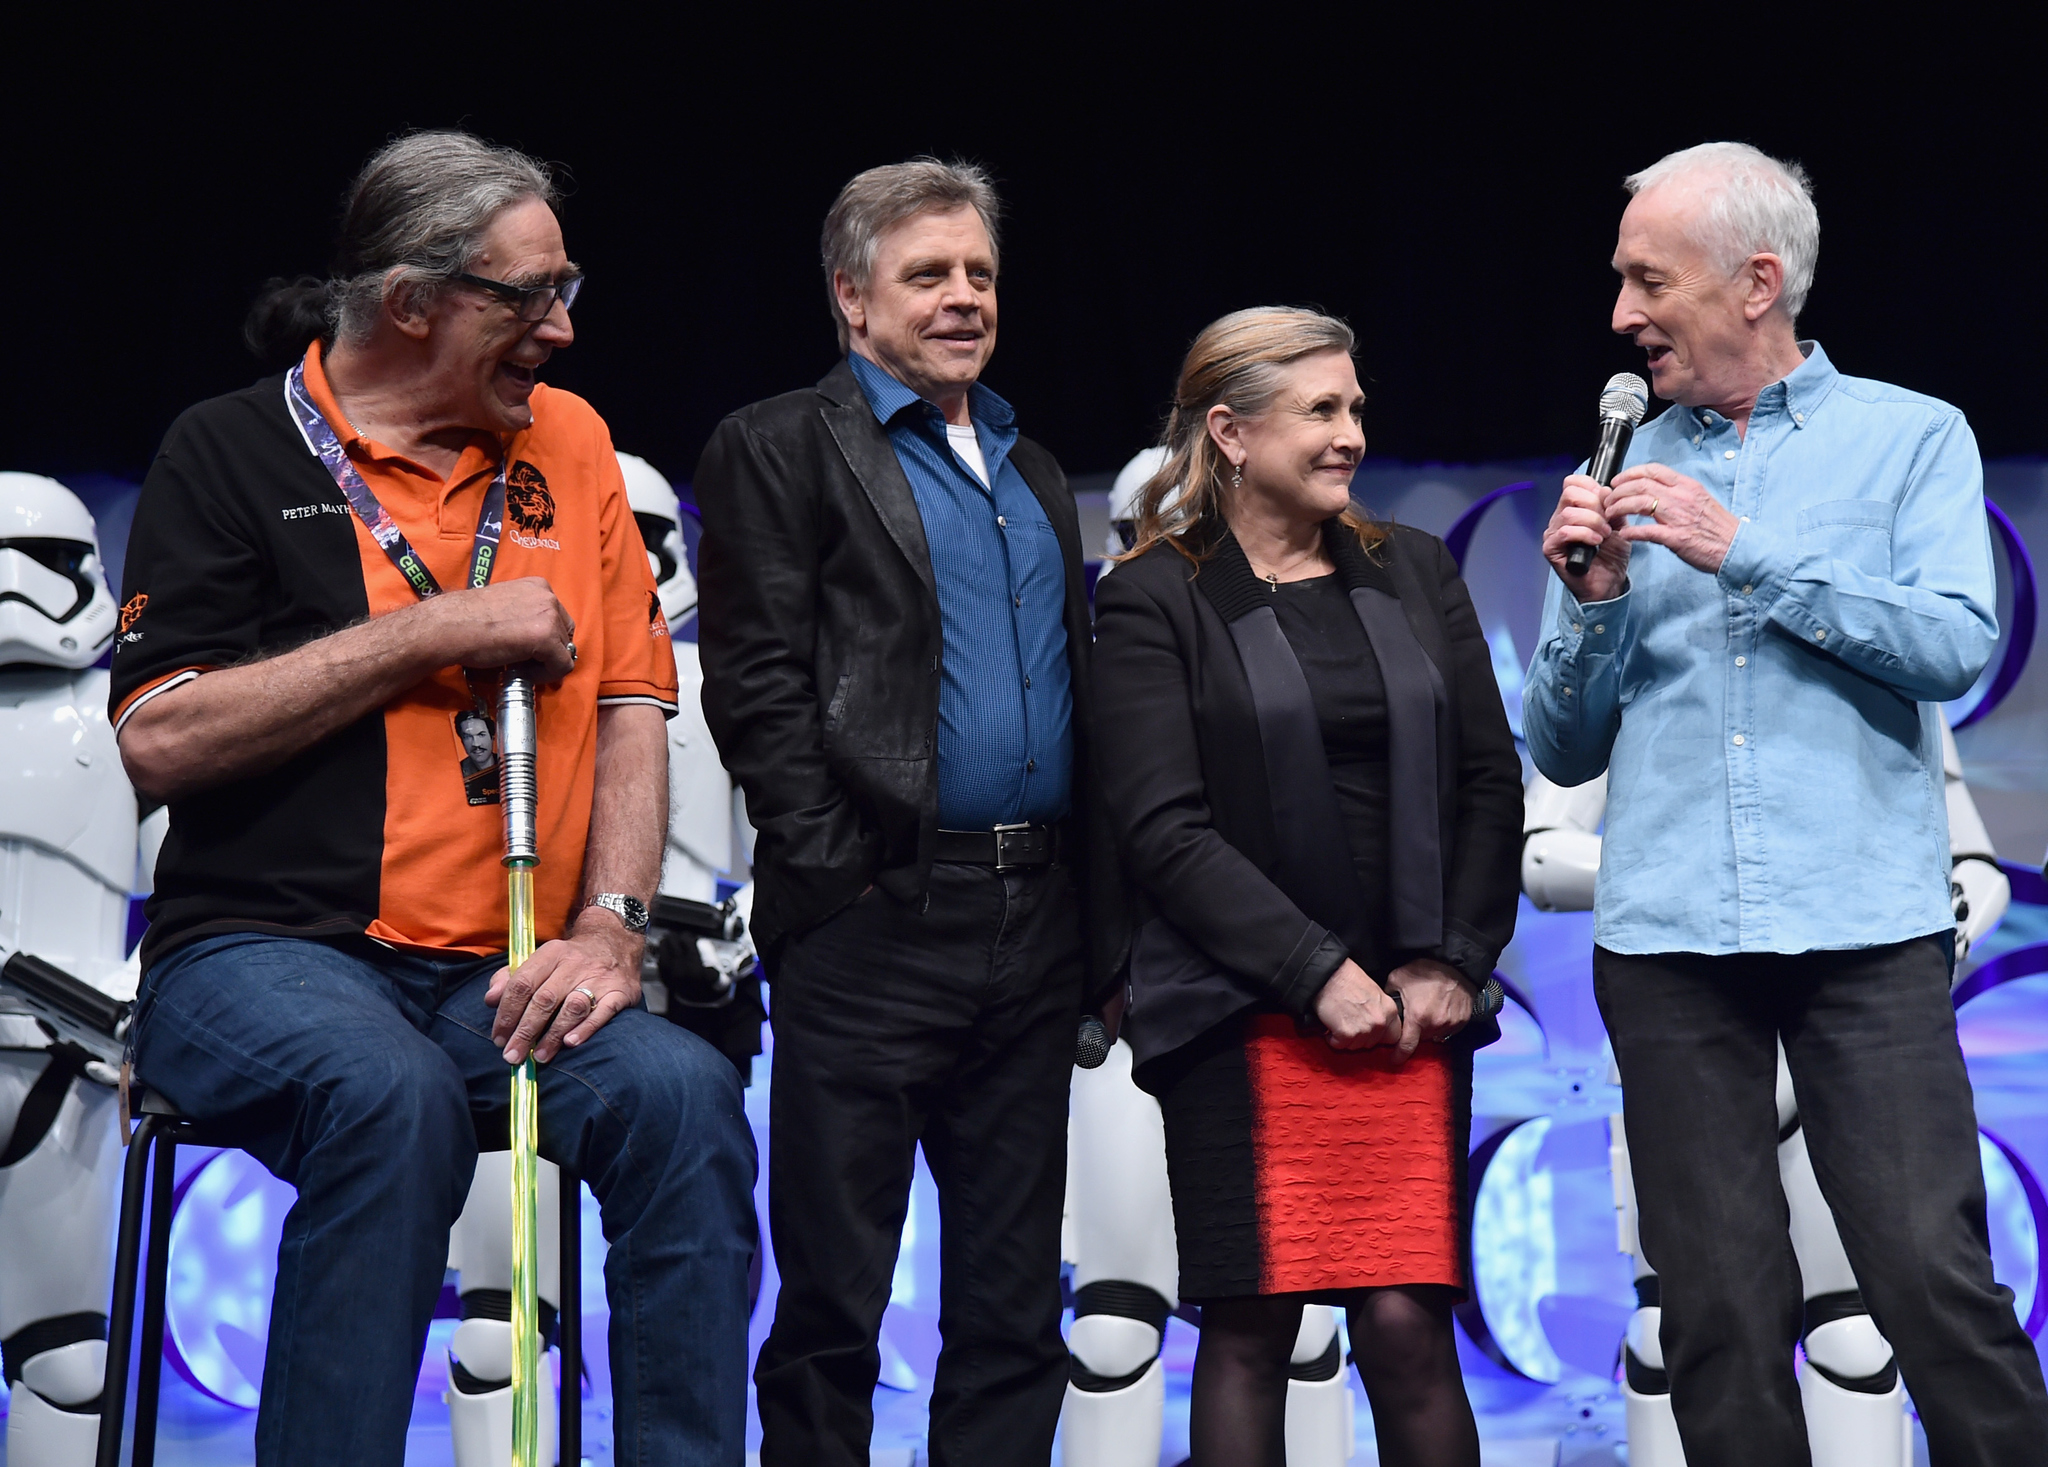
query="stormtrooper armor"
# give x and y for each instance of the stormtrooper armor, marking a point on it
(700, 970)
(1119, 1239)
(479, 1394)
(72, 850)
(1850, 1388)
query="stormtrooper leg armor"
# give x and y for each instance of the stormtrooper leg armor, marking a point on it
(1126, 1270)
(1321, 1422)
(59, 1191)
(1854, 1401)
(479, 1395)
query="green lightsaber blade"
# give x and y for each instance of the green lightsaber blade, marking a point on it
(517, 740)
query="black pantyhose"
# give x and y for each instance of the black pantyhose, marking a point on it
(1408, 1359)
(1406, 1355)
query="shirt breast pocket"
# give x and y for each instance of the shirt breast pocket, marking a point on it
(1857, 531)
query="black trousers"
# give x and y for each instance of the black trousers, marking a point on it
(1885, 1102)
(953, 1026)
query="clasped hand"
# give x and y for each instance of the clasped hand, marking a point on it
(1436, 1002)
(1669, 509)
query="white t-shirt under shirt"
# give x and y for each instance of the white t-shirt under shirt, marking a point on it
(969, 448)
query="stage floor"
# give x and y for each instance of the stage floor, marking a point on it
(1552, 1070)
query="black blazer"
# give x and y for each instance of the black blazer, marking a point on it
(821, 647)
(1185, 774)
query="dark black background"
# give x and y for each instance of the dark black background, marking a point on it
(1449, 187)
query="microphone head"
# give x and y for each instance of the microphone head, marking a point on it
(1625, 398)
(1091, 1045)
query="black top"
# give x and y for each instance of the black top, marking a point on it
(1184, 769)
(1351, 706)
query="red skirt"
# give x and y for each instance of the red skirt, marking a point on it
(1298, 1168)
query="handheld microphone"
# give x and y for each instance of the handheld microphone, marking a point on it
(1623, 401)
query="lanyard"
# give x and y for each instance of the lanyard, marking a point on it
(319, 436)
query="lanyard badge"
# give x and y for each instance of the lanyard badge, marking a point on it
(475, 733)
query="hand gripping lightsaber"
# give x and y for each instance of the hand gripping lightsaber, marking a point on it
(517, 744)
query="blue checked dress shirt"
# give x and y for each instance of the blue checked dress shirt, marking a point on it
(1771, 733)
(1005, 695)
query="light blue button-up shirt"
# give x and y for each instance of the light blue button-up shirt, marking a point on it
(1771, 733)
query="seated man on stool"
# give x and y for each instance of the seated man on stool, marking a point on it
(324, 968)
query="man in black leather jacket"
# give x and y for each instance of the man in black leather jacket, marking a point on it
(895, 643)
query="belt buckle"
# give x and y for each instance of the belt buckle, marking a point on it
(1004, 834)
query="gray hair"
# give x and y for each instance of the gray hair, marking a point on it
(876, 201)
(1755, 204)
(421, 207)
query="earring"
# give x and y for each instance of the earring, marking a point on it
(1237, 476)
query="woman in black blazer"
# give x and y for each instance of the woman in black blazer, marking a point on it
(1318, 797)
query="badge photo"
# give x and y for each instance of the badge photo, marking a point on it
(477, 739)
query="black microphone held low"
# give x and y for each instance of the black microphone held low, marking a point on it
(1623, 401)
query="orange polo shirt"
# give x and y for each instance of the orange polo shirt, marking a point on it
(414, 860)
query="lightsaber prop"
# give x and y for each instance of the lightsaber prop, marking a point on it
(516, 791)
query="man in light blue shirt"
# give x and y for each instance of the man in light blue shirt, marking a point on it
(1793, 569)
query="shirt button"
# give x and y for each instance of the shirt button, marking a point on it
(1599, 627)
(1747, 589)
(1027, 679)
(1018, 599)
(1001, 521)
(1738, 741)
(1799, 417)
(1729, 454)
(1745, 519)
(1820, 634)
(1742, 662)
(1696, 440)
(1575, 626)
(1030, 765)
(1567, 692)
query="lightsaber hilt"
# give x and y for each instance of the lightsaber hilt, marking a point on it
(517, 751)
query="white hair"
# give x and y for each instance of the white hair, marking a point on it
(1754, 204)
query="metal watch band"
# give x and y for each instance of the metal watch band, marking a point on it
(628, 909)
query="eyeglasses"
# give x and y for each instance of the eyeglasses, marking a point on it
(530, 302)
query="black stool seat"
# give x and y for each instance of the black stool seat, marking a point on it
(161, 1126)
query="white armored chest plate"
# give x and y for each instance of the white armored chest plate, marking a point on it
(62, 787)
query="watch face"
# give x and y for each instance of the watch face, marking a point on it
(629, 910)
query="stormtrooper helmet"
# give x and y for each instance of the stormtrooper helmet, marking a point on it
(55, 608)
(1123, 498)
(656, 511)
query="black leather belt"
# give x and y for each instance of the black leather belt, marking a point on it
(1006, 847)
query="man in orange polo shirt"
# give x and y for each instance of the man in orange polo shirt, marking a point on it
(325, 573)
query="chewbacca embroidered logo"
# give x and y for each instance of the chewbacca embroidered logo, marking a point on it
(131, 612)
(530, 506)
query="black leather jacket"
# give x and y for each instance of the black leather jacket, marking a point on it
(821, 649)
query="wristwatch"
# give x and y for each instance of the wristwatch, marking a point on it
(628, 909)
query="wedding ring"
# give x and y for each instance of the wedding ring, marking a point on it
(572, 654)
(1653, 514)
(587, 994)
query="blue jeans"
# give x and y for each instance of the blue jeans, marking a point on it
(362, 1075)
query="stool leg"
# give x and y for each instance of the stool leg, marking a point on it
(569, 1323)
(157, 1266)
(121, 1312)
